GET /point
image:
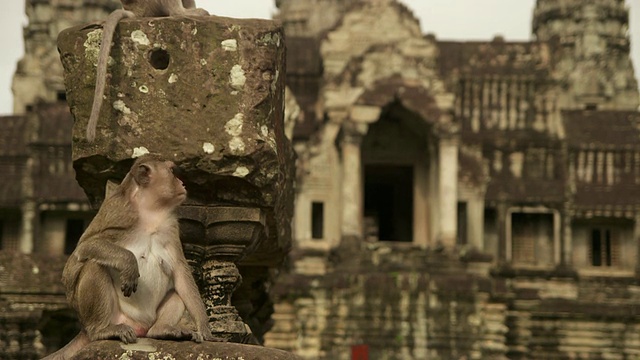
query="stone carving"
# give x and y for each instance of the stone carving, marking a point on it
(217, 238)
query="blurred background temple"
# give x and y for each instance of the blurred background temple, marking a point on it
(454, 200)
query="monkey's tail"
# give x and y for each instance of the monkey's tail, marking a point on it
(78, 342)
(101, 72)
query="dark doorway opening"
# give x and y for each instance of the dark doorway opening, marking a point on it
(317, 220)
(388, 201)
(532, 238)
(601, 254)
(462, 223)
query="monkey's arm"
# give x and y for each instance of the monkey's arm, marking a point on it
(188, 291)
(102, 250)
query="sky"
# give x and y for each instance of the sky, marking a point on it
(447, 19)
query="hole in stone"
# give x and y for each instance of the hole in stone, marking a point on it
(159, 59)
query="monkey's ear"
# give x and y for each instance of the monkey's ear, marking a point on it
(142, 174)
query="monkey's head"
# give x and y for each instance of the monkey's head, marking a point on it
(158, 182)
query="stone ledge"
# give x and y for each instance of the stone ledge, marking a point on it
(176, 350)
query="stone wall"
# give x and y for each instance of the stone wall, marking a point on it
(406, 303)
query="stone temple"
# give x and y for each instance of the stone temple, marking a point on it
(453, 200)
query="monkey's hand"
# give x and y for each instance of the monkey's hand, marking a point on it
(129, 278)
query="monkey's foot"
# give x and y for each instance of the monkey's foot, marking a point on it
(199, 337)
(125, 333)
(167, 332)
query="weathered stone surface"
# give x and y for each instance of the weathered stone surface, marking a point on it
(206, 93)
(178, 350)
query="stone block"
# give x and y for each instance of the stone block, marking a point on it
(205, 92)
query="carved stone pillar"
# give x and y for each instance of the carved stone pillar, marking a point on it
(215, 239)
(448, 191)
(27, 226)
(352, 183)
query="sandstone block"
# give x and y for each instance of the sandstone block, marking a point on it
(205, 92)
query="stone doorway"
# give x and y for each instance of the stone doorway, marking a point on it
(388, 202)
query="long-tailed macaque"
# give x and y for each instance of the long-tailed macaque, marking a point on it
(128, 277)
(131, 8)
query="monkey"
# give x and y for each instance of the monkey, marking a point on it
(128, 276)
(130, 9)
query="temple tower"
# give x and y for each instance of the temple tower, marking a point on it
(38, 76)
(592, 52)
(310, 18)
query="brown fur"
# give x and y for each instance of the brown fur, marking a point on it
(128, 276)
(131, 8)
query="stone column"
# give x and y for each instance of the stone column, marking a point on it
(215, 240)
(475, 208)
(27, 229)
(352, 184)
(566, 238)
(636, 237)
(448, 190)
(29, 207)
(504, 255)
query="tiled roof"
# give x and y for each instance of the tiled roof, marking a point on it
(34, 273)
(54, 179)
(614, 132)
(53, 176)
(618, 129)
(55, 123)
(12, 136)
(13, 152)
(10, 182)
(525, 190)
(496, 57)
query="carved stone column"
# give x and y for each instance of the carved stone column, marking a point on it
(215, 239)
(448, 191)
(352, 183)
(29, 212)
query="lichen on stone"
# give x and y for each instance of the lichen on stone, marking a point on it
(270, 39)
(139, 151)
(236, 145)
(208, 148)
(122, 107)
(233, 127)
(229, 45)
(92, 46)
(241, 171)
(237, 77)
(140, 37)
